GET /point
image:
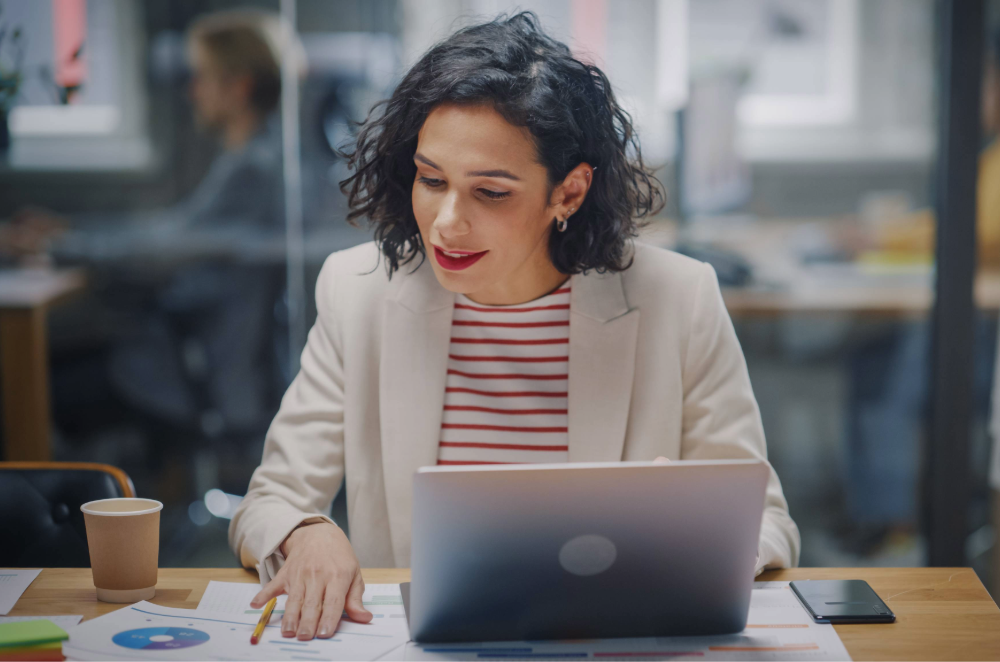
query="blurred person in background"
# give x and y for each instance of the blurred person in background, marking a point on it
(224, 307)
(196, 358)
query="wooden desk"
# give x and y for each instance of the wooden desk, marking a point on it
(941, 613)
(25, 296)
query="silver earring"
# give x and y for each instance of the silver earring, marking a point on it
(561, 225)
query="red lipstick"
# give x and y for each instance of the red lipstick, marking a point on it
(452, 263)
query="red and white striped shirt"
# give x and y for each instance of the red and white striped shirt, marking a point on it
(506, 394)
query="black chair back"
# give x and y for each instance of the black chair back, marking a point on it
(40, 510)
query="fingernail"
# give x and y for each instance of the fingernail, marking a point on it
(324, 631)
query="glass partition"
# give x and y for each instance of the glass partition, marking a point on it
(804, 176)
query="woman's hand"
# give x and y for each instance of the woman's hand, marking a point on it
(322, 578)
(661, 460)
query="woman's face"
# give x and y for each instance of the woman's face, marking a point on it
(215, 95)
(483, 205)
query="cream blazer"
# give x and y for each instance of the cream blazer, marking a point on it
(655, 369)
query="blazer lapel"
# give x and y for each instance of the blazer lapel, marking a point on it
(416, 331)
(602, 341)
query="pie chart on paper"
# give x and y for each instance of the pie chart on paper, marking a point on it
(160, 638)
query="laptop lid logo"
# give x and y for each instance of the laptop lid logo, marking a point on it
(587, 555)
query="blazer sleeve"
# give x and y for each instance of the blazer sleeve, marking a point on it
(721, 417)
(303, 463)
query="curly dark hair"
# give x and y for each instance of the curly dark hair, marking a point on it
(533, 81)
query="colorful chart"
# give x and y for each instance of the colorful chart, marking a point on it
(160, 638)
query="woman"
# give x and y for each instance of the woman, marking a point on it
(516, 321)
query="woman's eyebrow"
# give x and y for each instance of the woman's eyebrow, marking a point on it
(506, 174)
(423, 159)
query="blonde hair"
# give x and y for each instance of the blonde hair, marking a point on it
(250, 42)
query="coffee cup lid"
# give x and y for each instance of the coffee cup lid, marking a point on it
(139, 507)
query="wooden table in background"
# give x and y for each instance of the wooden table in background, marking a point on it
(783, 286)
(25, 296)
(941, 613)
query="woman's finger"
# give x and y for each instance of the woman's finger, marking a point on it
(355, 606)
(662, 460)
(333, 608)
(311, 606)
(290, 621)
(272, 589)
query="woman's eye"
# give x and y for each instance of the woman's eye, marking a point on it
(494, 195)
(433, 183)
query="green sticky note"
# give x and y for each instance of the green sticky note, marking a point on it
(30, 633)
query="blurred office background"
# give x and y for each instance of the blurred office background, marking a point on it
(168, 189)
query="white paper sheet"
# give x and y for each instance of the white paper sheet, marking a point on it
(234, 598)
(13, 582)
(778, 628)
(150, 632)
(63, 621)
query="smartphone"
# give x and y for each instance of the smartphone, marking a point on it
(842, 601)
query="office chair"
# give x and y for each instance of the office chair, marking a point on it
(40, 510)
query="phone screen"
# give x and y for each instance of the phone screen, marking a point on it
(842, 601)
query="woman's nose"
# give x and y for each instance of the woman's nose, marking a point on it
(450, 222)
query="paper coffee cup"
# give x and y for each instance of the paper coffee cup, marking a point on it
(124, 540)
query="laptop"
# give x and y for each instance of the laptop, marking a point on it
(584, 550)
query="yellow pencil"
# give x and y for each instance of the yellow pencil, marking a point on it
(262, 623)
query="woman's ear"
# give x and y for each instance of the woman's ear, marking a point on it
(570, 194)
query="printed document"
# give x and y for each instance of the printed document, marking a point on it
(778, 628)
(145, 631)
(234, 598)
(13, 582)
